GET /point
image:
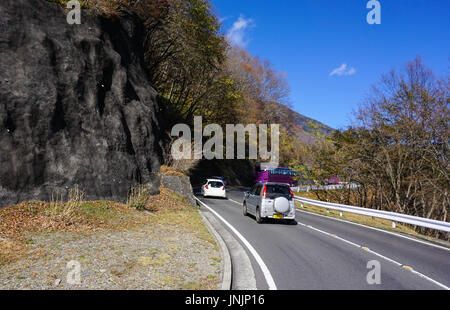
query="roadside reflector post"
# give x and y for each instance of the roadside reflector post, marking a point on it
(393, 225)
(328, 210)
(340, 213)
(302, 205)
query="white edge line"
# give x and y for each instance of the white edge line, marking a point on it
(377, 229)
(262, 265)
(370, 251)
(429, 279)
(374, 228)
(382, 256)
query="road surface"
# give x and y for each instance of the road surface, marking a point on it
(321, 253)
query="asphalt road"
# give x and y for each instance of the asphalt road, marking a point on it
(322, 253)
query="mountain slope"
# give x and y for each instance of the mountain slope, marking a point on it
(302, 126)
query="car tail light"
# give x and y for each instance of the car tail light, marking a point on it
(206, 186)
(292, 193)
(264, 191)
(223, 188)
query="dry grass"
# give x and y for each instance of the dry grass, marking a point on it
(138, 197)
(167, 200)
(17, 222)
(105, 7)
(87, 217)
(171, 171)
(10, 251)
(66, 212)
(210, 282)
(159, 260)
(184, 165)
(188, 219)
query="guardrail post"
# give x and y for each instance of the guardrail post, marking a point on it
(393, 224)
(340, 213)
(302, 205)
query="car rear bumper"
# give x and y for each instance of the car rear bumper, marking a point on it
(272, 215)
(284, 217)
(223, 194)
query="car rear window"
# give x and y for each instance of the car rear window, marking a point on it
(275, 190)
(215, 184)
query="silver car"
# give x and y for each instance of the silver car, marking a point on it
(270, 201)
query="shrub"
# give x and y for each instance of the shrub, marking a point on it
(138, 197)
(66, 212)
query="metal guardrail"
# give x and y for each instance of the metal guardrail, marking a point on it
(392, 216)
(307, 188)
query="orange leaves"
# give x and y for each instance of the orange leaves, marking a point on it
(247, 67)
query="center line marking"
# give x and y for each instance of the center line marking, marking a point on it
(382, 256)
(367, 249)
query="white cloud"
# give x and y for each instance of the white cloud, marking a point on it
(237, 32)
(343, 70)
(222, 19)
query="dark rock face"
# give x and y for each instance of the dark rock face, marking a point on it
(76, 106)
(179, 184)
(237, 172)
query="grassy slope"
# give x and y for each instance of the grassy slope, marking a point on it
(18, 223)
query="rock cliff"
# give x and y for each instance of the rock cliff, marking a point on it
(76, 106)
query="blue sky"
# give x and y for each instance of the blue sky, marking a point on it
(330, 53)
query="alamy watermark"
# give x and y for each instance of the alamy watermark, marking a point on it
(74, 15)
(74, 275)
(374, 16)
(374, 275)
(256, 136)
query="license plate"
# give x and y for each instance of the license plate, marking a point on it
(278, 216)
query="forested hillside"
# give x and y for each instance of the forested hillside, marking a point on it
(397, 149)
(196, 71)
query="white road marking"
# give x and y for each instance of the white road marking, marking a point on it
(377, 229)
(429, 279)
(373, 252)
(259, 260)
(235, 201)
(378, 254)
(374, 228)
(384, 257)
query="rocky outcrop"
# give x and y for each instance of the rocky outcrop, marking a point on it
(179, 184)
(76, 106)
